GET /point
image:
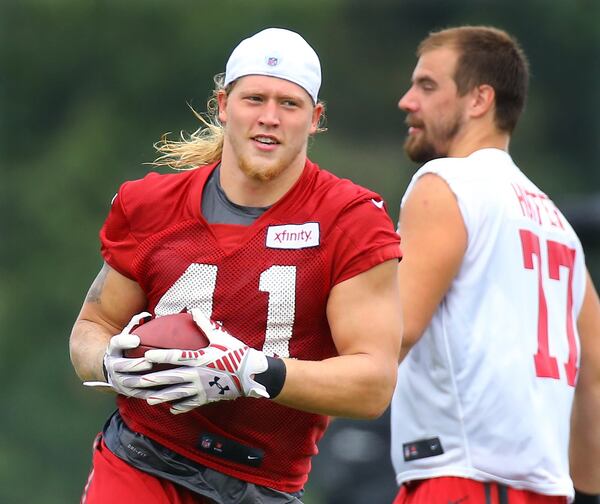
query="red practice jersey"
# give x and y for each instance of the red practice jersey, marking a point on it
(268, 283)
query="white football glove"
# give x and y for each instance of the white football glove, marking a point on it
(223, 370)
(117, 368)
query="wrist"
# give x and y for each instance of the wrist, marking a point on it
(274, 377)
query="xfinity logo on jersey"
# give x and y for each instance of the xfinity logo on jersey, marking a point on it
(293, 236)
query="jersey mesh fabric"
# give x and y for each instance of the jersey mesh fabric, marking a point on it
(256, 423)
(274, 299)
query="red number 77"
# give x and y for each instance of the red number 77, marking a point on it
(558, 255)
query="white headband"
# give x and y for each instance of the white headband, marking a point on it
(276, 52)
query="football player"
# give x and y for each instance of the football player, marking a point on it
(500, 380)
(290, 271)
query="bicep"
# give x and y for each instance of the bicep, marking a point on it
(364, 313)
(434, 241)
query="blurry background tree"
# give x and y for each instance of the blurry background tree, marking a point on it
(86, 88)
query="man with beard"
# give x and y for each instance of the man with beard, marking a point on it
(298, 267)
(498, 391)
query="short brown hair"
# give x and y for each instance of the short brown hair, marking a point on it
(490, 56)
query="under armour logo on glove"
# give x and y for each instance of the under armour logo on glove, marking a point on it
(223, 370)
(216, 383)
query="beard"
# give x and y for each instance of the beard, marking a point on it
(266, 168)
(420, 150)
(424, 147)
(262, 167)
(256, 167)
(259, 171)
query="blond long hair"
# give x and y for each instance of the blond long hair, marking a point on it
(205, 145)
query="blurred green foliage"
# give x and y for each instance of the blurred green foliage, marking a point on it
(86, 88)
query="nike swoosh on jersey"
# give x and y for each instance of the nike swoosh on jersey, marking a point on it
(378, 204)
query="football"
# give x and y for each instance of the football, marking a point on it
(169, 331)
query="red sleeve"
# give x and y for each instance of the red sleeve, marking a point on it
(366, 238)
(145, 206)
(118, 245)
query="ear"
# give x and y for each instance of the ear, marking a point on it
(316, 117)
(222, 103)
(482, 100)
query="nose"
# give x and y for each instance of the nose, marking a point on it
(269, 115)
(408, 102)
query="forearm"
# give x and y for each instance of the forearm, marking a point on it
(355, 386)
(87, 345)
(585, 442)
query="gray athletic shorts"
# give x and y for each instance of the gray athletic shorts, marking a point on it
(146, 455)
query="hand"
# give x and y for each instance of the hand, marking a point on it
(223, 370)
(118, 369)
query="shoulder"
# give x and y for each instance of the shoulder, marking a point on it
(154, 187)
(346, 205)
(479, 173)
(354, 210)
(156, 191)
(338, 191)
(481, 165)
(447, 168)
(353, 221)
(155, 200)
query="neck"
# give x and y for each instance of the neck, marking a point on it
(245, 190)
(476, 137)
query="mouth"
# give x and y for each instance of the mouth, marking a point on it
(414, 127)
(267, 142)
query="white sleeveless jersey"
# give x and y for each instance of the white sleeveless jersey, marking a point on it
(486, 393)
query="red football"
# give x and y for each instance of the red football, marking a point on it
(169, 331)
